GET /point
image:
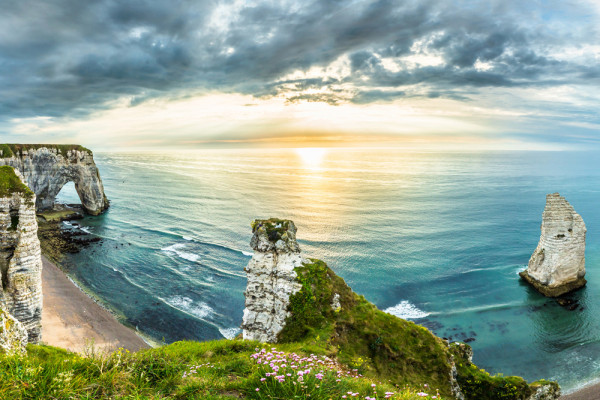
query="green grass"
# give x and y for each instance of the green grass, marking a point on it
(10, 149)
(380, 345)
(10, 183)
(220, 369)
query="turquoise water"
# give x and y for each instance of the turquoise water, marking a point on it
(435, 237)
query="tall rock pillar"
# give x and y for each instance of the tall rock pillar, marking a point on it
(557, 265)
(271, 278)
(20, 254)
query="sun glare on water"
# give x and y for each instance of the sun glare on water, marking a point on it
(311, 157)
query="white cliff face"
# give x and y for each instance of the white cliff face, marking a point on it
(47, 169)
(557, 265)
(271, 279)
(21, 262)
(13, 337)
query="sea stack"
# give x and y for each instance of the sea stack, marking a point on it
(20, 254)
(271, 279)
(557, 265)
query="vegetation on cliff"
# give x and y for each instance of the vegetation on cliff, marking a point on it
(11, 149)
(10, 183)
(222, 369)
(326, 313)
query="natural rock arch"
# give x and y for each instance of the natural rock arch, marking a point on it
(47, 168)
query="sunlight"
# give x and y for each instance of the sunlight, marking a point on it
(311, 157)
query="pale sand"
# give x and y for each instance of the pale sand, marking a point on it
(72, 320)
(591, 392)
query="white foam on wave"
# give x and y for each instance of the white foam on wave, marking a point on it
(521, 269)
(229, 333)
(406, 310)
(185, 304)
(86, 230)
(189, 239)
(247, 253)
(67, 223)
(177, 250)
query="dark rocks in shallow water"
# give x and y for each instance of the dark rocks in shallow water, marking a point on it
(468, 340)
(568, 304)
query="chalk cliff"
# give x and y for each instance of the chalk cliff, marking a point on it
(557, 265)
(20, 254)
(292, 299)
(271, 279)
(47, 168)
(13, 337)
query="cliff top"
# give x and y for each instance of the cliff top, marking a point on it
(10, 149)
(10, 183)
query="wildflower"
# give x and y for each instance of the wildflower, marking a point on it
(422, 394)
(257, 389)
(263, 379)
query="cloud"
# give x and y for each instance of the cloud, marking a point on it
(69, 59)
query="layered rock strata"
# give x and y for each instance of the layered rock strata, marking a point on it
(47, 168)
(20, 254)
(271, 279)
(13, 337)
(557, 265)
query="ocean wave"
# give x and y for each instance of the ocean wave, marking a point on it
(406, 310)
(247, 253)
(200, 310)
(189, 239)
(177, 249)
(229, 333)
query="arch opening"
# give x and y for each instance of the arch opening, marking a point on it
(67, 195)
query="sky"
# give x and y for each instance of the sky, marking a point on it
(114, 74)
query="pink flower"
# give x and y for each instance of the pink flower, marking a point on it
(257, 389)
(263, 379)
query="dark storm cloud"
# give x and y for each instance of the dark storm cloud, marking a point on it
(69, 57)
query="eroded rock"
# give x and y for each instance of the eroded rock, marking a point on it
(47, 168)
(557, 265)
(271, 279)
(20, 254)
(13, 336)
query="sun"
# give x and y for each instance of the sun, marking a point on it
(311, 157)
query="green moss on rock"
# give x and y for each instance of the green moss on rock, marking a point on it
(10, 183)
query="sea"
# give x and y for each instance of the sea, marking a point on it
(434, 237)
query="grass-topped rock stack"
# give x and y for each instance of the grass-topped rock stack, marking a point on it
(20, 254)
(290, 299)
(48, 167)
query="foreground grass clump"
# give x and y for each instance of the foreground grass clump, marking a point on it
(191, 370)
(375, 343)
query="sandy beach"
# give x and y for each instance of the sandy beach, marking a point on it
(591, 392)
(72, 320)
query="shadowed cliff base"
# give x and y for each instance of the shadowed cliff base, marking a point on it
(47, 168)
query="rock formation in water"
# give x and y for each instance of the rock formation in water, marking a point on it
(13, 337)
(20, 254)
(557, 265)
(47, 168)
(271, 278)
(291, 299)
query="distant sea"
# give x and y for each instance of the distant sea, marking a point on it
(437, 238)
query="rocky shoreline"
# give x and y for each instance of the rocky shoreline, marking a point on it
(57, 238)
